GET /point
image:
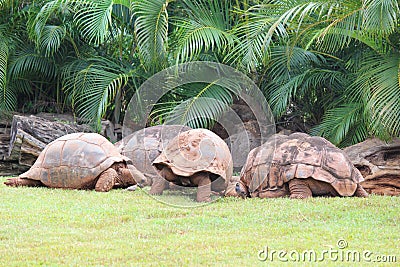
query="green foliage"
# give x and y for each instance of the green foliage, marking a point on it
(151, 29)
(92, 85)
(94, 19)
(205, 29)
(196, 105)
(333, 64)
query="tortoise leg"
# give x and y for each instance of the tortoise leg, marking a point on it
(203, 182)
(299, 188)
(15, 182)
(161, 182)
(360, 192)
(106, 181)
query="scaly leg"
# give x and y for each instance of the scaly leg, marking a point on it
(160, 182)
(203, 182)
(106, 180)
(360, 192)
(299, 188)
(15, 182)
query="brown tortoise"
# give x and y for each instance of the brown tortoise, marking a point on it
(80, 161)
(143, 146)
(195, 158)
(299, 166)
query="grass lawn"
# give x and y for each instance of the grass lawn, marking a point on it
(52, 227)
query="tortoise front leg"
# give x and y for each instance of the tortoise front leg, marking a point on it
(15, 182)
(106, 180)
(360, 192)
(161, 181)
(299, 188)
(203, 182)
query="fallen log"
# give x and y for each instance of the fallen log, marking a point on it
(379, 163)
(29, 135)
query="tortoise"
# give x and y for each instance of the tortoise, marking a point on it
(299, 166)
(143, 146)
(80, 161)
(195, 158)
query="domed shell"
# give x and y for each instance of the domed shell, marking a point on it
(196, 151)
(143, 146)
(299, 155)
(74, 161)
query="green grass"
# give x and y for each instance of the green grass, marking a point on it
(51, 227)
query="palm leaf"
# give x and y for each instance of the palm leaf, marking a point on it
(27, 63)
(51, 39)
(384, 102)
(205, 28)
(94, 19)
(201, 106)
(292, 70)
(151, 28)
(7, 96)
(92, 85)
(344, 125)
(39, 20)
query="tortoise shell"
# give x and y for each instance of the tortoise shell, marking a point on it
(143, 146)
(282, 158)
(197, 150)
(74, 161)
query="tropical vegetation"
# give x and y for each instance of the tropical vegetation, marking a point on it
(333, 66)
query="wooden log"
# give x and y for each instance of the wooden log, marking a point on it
(379, 163)
(29, 135)
(43, 130)
(9, 166)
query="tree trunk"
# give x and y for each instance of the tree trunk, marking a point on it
(379, 163)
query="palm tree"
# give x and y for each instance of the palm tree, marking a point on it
(331, 64)
(317, 58)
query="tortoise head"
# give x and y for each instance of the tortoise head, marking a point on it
(131, 176)
(236, 188)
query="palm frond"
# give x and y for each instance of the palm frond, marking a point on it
(205, 29)
(292, 70)
(26, 62)
(265, 24)
(151, 28)
(51, 39)
(381, 16)
(344, 125)
(368, 22)
(40, 19)
(199, 105)
(94, 19)
(92, 85)
(7, 96)
(385, 94)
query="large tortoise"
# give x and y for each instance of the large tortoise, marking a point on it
(195, 158)
(143, 146)
(80, 161)
(299, 166)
